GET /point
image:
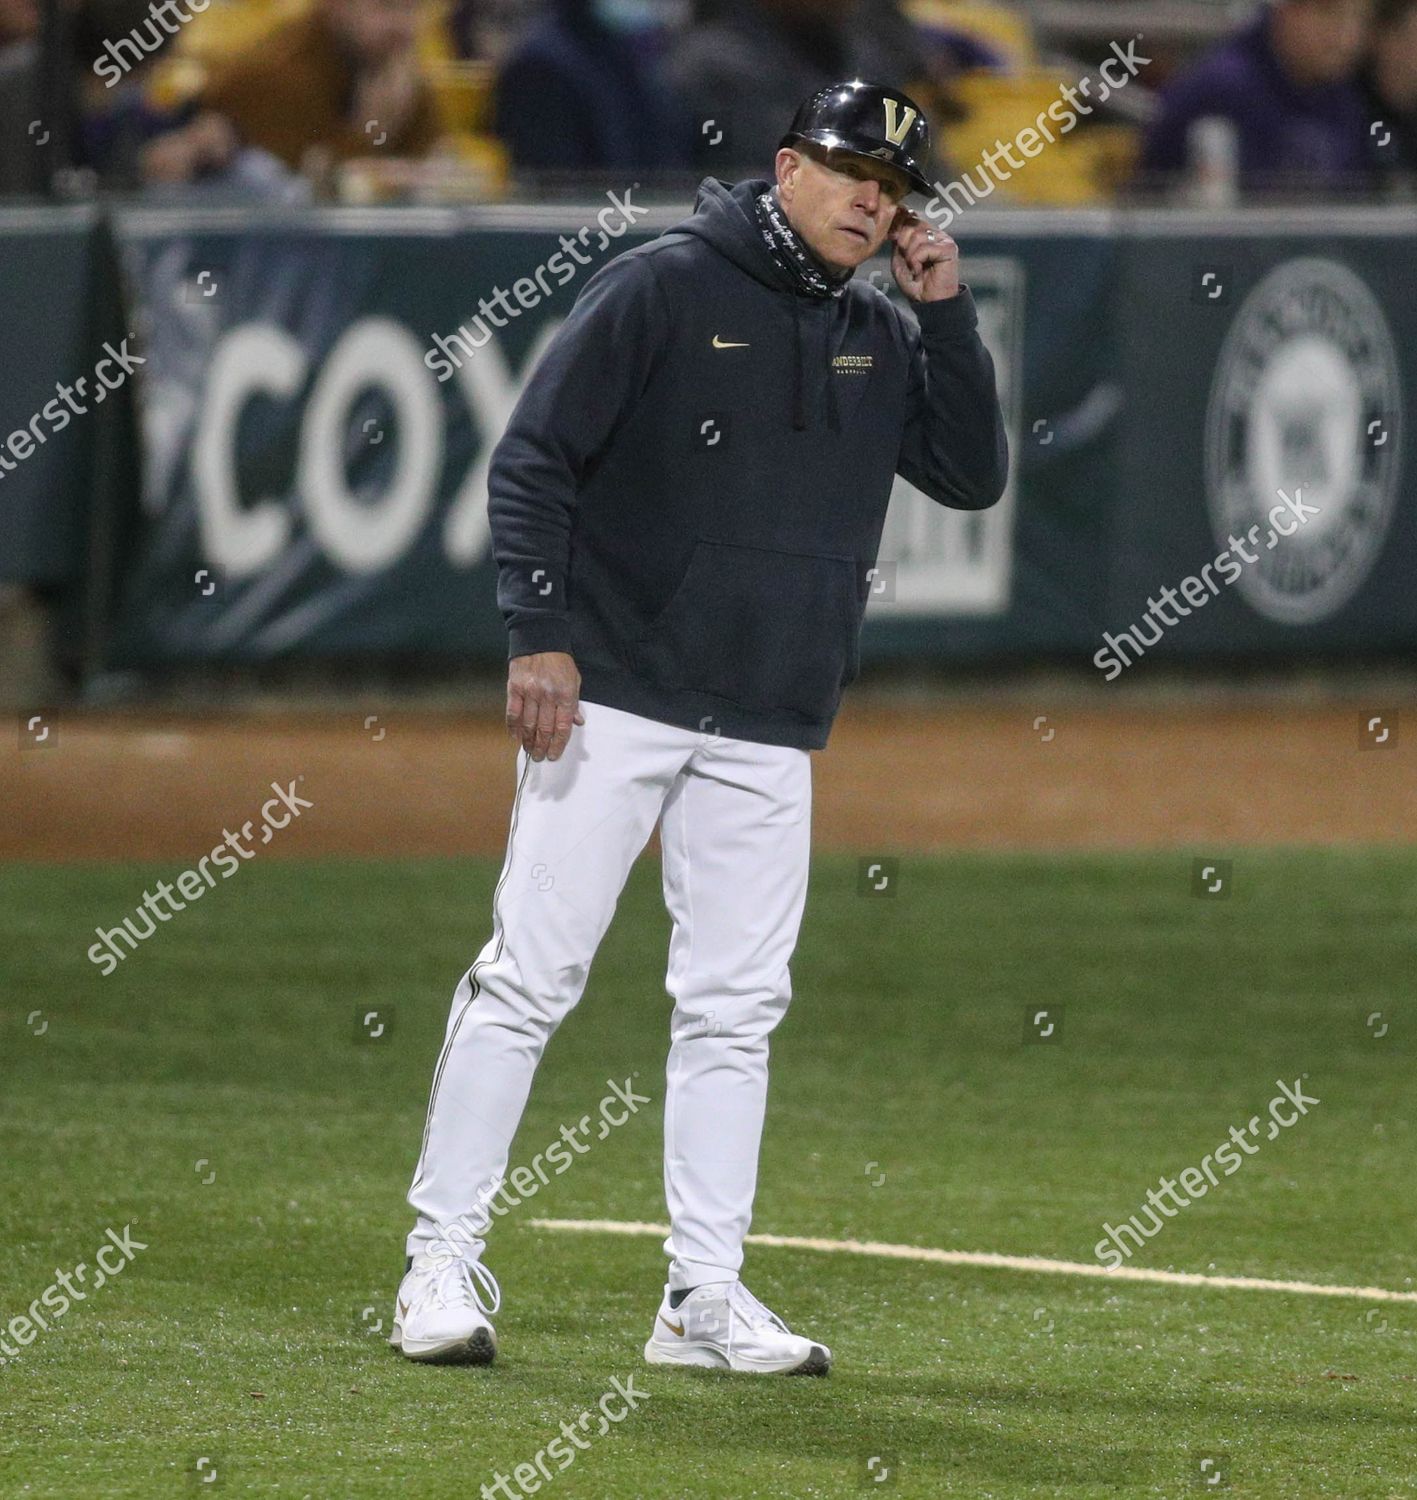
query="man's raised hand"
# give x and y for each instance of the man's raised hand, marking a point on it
(925, 262)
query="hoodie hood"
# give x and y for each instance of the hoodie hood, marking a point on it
(726, 217)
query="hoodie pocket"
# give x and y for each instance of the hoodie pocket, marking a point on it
(761, 628)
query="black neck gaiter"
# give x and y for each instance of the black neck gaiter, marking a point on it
(809, 279)
(787, 248)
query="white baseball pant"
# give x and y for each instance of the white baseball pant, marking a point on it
(735, 833)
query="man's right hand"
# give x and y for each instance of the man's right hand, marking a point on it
(543, 694)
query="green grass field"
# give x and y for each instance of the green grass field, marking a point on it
(906, 1106)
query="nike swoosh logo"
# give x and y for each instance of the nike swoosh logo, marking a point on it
(403, 1309)
(679, 1330)
(719, 344)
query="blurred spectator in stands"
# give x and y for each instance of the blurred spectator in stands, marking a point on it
(21, 164)
(897, 44)
(338, 82)
(746, 65)
(465, 29)
(1285, 88)
(112, 76)
(977, 36)
(1390, 88)
(487, 30)
(583, 90)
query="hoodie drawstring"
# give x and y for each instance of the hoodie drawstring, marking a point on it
(799, 379)
(833, 416)
(799, 404)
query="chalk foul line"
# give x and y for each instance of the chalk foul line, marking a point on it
(1030, 1263)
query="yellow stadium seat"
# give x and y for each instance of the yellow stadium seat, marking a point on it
(229, 27)
(464, 93)
(1081, 167)
(435, 37)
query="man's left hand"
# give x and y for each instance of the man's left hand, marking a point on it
(926, 261)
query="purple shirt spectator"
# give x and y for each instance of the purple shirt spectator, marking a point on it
(1289, 134)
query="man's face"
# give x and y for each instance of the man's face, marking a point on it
(1320, 41)
(842, 205)
(374, 30)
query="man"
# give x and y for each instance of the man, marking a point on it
(341, 79)
(1286, 84)
(685, 512)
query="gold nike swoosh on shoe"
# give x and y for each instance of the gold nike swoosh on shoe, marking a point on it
(403, 1308)
(679, 1330)
(719, 344)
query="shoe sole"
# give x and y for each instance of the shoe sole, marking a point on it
(479, 1349)
(709, 1357)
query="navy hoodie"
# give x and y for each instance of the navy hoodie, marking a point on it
(690, 493)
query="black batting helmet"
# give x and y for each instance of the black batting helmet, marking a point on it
(869, 120)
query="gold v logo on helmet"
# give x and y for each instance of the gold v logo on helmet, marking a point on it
(898, 125)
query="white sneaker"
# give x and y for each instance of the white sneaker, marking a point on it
(723, 1326)
(440, 1318)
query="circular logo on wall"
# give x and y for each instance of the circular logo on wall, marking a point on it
(1306, 404)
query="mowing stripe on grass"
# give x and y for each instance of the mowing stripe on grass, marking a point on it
(999, 1262)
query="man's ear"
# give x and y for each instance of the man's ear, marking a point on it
(788, 165)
